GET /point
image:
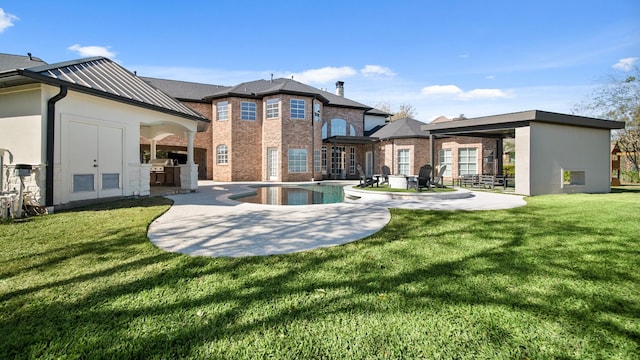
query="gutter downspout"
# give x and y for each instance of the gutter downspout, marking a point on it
(51, 128)
(313, 137)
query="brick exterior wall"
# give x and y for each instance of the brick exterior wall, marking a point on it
(248, 142)
(419, 154)
(484, 146)
(355, 118)
(272, 138)
(222, 135)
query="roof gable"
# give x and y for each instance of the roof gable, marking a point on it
(402, 128)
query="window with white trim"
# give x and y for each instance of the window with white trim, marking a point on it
(352, 160)
(247, 110)
(444, 159)
(222, 155)
(403, 162)
(317, 161)
(324, 159)
(467, 161)
(273, 108)
(222, 110)
(297, 109)
(297, 160)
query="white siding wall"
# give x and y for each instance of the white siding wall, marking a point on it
(23, 132)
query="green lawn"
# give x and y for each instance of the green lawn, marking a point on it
(558, 278)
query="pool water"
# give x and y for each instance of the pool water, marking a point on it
(295, 195)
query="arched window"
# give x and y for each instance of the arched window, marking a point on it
(222, 156)
(324, 131)
(338, 127)
(352, 130)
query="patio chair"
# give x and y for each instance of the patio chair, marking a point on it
(424, 178)
(364, 179)
(437, 180)
(386, 171)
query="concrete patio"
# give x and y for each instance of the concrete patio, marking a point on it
(209, 223)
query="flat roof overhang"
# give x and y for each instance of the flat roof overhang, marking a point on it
(350, 140)
(503, 126)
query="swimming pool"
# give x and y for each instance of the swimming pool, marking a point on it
(294, 195)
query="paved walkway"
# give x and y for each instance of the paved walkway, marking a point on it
(208, 223)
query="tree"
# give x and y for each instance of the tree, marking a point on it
(618, 98)
(405, 111)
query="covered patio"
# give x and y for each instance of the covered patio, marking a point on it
(555, 153)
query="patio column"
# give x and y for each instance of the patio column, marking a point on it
(189, 171)
(432, 155)
(190, 137)
(499, 155)
(153, 148)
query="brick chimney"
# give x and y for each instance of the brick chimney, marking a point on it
(340, 88)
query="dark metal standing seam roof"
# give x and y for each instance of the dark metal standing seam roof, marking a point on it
(102, 77)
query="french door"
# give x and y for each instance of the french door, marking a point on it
(272, 164)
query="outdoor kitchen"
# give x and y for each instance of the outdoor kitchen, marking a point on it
(164, 172)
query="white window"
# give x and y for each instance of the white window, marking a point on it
(467, 161)
(324, 160)
(273, 108)
(297, 160)
(297, 109)
(352, 160)
(222, 109)
(222, 156)
(444, 159)
(403, 162)
(317, 161)
(352, 129)
(247, 110)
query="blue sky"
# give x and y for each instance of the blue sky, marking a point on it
(442, 57)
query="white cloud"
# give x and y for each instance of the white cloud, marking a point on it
(324, 75)
(436, 90)
(372, 70)
(490, 77)
(626, 64)
(458, 93)
(90, 51)
(484, 94)
(6, 20)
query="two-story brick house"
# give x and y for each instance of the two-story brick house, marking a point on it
(284, 130)
(277, 130)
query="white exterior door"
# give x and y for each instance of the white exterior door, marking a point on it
(272, 163)
(94, 154)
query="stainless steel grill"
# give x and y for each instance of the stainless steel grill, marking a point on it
(157, 165)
